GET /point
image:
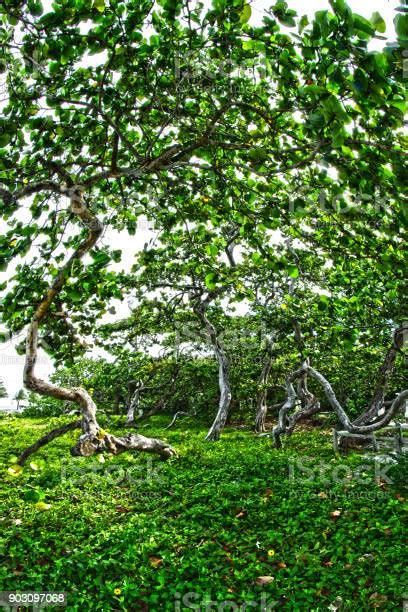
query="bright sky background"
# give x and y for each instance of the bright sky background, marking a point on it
(11, 365)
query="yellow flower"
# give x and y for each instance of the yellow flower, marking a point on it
(117, 591)
(271, 552)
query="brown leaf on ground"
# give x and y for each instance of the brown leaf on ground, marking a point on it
(264, 580)
(241, 513)
(155, 561)
(335, 514)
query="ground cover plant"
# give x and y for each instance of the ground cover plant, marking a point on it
(226, 523)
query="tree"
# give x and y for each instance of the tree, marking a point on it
(190, 116)
(19, 397)
(3, 390)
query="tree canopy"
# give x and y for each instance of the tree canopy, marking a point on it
(270, 158)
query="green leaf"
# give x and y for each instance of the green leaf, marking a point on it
(4, 139)
(209, 280)
(247, 45)
(360, 80)
(338, 136)
(378, 22)
(332, 106)
(99, 5)
(361, 24)
(155, 40)
(245, 14)
(35, 7)
(293, 271)
(401, 25)
(339, 6)
(304, 21)
(400, 104)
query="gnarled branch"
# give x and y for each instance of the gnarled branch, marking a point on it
(93, 439)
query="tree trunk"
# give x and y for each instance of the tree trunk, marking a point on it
(157, 407)
(93, 439)
(51, 435)
(384, 376)
(134, 403)
(262, 395)
(284, 425)
(218, 425)
(178, 414)
(116, 401)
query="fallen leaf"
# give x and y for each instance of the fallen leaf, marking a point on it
(155, 561)
(44, 561)
(241, 513)
(264, 580)
(15, 470)
(42, 506)
(322, 494)
(377, 600)
(335, 514)
(122, 509)
(281, 565)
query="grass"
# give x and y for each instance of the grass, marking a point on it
(136, 533)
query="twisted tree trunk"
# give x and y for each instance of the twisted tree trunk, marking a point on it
(93, 438)
(284, 421)
(51, 435)
(262, 395)
(179, 414)
(384, 376)
(218, 425)
(134, 403)
(157, 407)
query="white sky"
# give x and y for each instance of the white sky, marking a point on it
(11, 365)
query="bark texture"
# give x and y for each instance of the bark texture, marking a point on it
(384, 375)
(286, 422)
(134, 402)
(93, 438)
(51, 435)
(218, 425)
(179, 414)
(262, 395)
